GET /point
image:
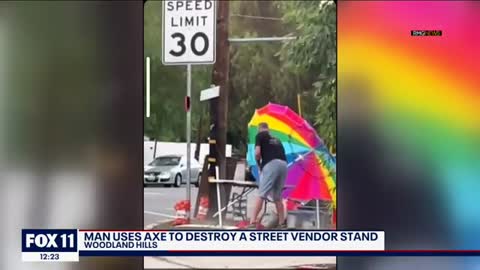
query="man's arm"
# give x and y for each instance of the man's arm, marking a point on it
(258, 151)
(258, 156)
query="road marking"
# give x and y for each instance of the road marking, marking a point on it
(158, 214)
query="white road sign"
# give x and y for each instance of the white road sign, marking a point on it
(210, 93)
(189, 32)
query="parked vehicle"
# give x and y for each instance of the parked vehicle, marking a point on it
(153, 149)
(171, 169)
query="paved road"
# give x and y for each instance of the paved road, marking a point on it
(158, 206)
(159, 202)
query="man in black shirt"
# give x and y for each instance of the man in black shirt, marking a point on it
(272, 164)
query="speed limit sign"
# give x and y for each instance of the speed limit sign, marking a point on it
(189, 32)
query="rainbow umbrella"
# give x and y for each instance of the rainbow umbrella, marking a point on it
(311, 167)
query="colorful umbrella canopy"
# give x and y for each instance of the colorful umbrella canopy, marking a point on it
(312, 169)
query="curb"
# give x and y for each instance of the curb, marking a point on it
(205, 262)
(164, 263)
(164, 224)
(316, 267)
(150, 226)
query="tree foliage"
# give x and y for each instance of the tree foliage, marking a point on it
(259, 72)
(168, 86)
(314, 51)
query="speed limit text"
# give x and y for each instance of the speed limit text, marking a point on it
(189, 5)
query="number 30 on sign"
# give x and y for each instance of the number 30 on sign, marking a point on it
(189, 32)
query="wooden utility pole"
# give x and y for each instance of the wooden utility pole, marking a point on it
(220, 78)
(219, 106)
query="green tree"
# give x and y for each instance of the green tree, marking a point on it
(257, 74)
(314, 52)
(168, 86)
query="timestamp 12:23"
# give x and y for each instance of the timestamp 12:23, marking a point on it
(49, 256)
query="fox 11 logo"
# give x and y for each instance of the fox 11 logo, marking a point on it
(49, 240)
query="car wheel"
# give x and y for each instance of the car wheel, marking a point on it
(178, 180)
(198, 180)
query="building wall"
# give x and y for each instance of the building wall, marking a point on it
(172, 148)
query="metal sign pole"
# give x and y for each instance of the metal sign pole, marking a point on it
(148, 88)
(189, 131)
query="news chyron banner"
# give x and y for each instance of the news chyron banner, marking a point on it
(70, 245)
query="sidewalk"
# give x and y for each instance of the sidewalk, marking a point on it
(326, 263)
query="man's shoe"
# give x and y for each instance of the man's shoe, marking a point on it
(256, 226)
(243, 225)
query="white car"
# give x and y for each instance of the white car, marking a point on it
(171, 169)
